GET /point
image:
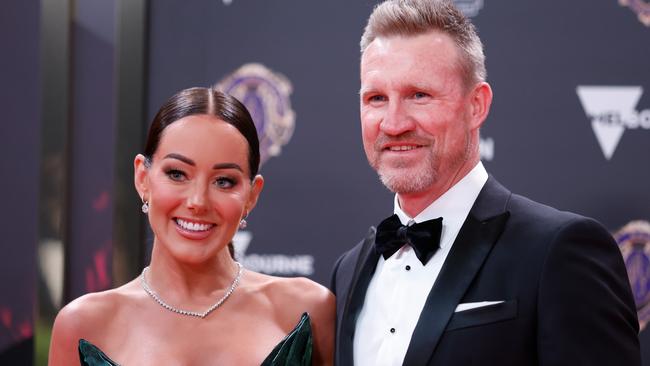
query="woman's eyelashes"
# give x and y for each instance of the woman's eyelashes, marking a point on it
(176, 175)
(225, 182)
(222, 182)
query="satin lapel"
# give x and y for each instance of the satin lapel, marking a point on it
(364, 269)
(471, 248)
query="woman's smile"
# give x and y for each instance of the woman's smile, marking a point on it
(193, 229)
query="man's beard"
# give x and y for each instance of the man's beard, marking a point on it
(404, 180)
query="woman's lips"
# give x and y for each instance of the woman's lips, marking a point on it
(193, 229)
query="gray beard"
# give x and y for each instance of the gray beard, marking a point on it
(402, 182)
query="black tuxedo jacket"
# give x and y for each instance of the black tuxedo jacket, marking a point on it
(567, 299)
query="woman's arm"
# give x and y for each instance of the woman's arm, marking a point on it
(323, 315)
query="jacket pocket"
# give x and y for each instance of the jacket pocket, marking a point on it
(483, 315)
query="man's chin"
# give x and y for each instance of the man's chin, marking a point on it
(402, 182)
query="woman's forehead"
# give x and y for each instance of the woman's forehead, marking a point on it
(205, 137)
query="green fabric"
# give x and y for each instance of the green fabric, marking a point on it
(89, 355)
(294, 350)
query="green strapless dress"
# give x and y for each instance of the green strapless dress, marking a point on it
(294, 350)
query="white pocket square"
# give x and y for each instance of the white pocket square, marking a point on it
(474, 305)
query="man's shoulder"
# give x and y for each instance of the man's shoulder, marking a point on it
(361, 247)
(528, 216)
(347, 262)
(547, 224)
(521, 208)
(540, 212)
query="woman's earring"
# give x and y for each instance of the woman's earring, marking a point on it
(243, 223)
(145, 206)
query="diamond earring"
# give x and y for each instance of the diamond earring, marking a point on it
(145, 206)
(243, 223)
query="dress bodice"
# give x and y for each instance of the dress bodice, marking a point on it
(294, 350)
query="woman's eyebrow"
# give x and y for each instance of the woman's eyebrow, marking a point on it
(227, 166)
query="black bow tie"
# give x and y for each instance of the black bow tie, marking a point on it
(423, 237)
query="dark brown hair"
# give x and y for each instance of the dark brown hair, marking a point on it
(212, 102)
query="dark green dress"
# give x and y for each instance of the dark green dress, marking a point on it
(294, 350)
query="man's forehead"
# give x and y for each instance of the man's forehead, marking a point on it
(433, 36)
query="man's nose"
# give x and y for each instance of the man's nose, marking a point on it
(396, 120)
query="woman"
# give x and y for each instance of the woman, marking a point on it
(194, 304)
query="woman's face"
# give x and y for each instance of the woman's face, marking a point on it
(197, 186)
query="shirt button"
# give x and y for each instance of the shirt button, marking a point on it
(392, 330)
(408, 268)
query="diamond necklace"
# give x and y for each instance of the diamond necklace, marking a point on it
(202, 315)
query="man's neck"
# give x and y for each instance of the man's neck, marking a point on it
(415, 202)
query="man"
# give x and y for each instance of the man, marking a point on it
(510, 281)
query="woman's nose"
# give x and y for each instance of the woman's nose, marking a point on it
(197, 199)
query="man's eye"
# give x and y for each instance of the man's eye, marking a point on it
(376, 98)
(224, 182)
(420, 95)
(176, 175)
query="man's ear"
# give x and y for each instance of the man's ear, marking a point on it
(256, 189)
(480, 100)
(141, 176)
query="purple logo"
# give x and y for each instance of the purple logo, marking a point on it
(634, 241)
(640, 7)
(266, 95)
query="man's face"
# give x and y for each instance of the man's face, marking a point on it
(416, 112)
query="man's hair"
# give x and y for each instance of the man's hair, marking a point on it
(416, 17)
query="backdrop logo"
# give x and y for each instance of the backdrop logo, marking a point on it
(469, 7)
(266, 96)
(640, 7)
(612, 110)
(277, 264)
(634, 241)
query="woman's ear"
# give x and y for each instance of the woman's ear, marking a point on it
(141, 176)
(256, 189)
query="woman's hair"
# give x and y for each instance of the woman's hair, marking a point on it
(194, 101)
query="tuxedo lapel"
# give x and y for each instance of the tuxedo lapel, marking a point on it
(475, 240)
(363, 272)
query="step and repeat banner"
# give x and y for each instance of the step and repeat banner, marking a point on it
(570, 123)
(569, 126)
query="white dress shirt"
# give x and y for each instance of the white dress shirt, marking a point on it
(400, 285)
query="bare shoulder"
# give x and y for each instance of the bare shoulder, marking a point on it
(83, 313)
(300, 293)
(301, 287)
(294, 296)
(87, 317)
(90, 311)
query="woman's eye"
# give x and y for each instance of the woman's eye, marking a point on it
(175, 175)
(224, 182)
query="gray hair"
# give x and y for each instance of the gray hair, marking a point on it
(415, 17)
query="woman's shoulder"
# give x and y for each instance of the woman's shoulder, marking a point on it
(91, 312)
(298, 289)
(90, 317)
(291, 297)
(298, 295)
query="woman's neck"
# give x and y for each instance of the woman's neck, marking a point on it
(185, 280)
